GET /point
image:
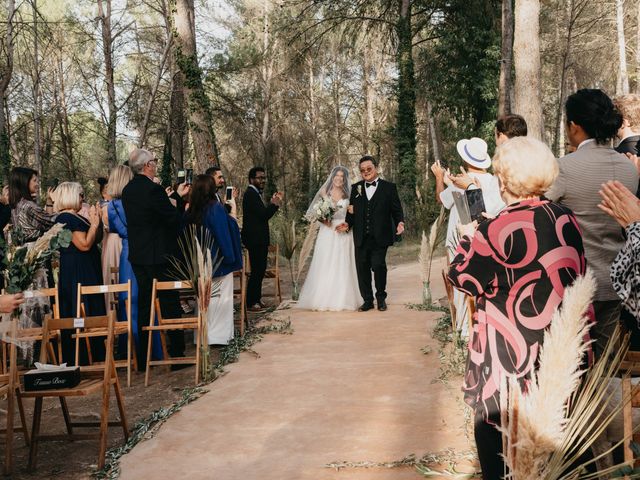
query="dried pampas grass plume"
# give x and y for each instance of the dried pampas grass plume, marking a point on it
(307, 248)
(535, 425)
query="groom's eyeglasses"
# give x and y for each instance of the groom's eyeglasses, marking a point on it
(366, 170)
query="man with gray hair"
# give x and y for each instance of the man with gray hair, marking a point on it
(152, 220)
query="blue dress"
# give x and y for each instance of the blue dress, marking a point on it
(85, 268)
(118, 224)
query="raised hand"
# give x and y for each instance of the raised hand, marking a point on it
(183, 189)
(400, 228)
(619, 202)
(94, 216)
(468, 229)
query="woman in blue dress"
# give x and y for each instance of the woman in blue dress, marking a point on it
(118, 179)
(80, 263)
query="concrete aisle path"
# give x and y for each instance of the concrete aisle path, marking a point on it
(344, 386)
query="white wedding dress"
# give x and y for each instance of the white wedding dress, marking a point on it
(332, 282)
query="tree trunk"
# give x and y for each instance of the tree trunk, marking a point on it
(313, 121)
(526, 53)
(368, 93)
(433, 133)
(558, 139)
(6, 71)
(623, 76)
(506, 63)
(406, 131)
(107, 49)
(66, 140)
(154, 90)
(266, 74)
(198, 105)
(37, 120)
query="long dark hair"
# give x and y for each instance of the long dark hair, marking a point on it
(594, 111)
(19, 180)
(203, 194)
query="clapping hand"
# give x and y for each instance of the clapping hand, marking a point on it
(620, 203)
(94, 216)
(400, 228)
(277, 198)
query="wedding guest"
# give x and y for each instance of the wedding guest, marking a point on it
(104, 192)
(624, 207)
(504, 263)
(79, 264)
(118, 179)
(152, 227)
(220, 181)
(112, 243)
(205, 211)
(629, 133)
(26, 215)
(255, 233)
(474, 174)
(592, 121)
(510, 126)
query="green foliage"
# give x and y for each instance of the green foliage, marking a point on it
(5, 157)
(460, 72)
(166, 167)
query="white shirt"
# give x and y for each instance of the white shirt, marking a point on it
(490, 194)
(584, 142)
(370, 191)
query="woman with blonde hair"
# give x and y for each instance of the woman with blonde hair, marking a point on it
(112, 243)
(516, 266)
(79, 264)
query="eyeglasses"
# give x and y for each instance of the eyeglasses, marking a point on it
(261, 177)
(81, 194)
(366, 170)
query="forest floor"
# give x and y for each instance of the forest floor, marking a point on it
(348, 395)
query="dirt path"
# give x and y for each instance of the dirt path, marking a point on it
(344, 387)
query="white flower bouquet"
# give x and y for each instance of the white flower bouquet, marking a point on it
(322, 211)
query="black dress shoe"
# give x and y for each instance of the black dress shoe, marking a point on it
(365, 307)
(382, 306)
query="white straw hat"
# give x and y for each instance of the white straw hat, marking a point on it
(474, 152)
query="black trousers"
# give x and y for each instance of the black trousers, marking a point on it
(371, 257)
(169, 303)
(258, 260)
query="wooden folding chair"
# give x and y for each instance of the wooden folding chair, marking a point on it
(241, 292)
(92, 381)
(10, 387)
(164, 324)
(630, 367)
(121, 327)
(272, 272)
(35, 334)
(114, 275)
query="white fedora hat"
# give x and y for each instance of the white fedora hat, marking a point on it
(474, 152)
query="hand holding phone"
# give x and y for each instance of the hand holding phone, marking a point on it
(229, 194)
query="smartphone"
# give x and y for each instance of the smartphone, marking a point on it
(229, 195)
(476, 204)
(188, 179)
(182, 174)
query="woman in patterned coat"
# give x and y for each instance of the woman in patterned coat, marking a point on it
(516, 266)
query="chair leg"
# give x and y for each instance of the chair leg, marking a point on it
(123, 417)
(89, 353)
(23, 418)
(65, 414)
(51, 352)
(148, 369)
(279, 289)
(129, 340)
(77, 346)
(198, 346)
(104, 426)
(35, 433)
(8, 454)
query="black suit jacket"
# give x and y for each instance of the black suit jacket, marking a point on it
(629, 145)
(386, 213)
(255, 219)
(152, 221)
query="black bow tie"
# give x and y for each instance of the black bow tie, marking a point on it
(372, 184)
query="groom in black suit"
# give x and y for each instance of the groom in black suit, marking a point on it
(376, 217)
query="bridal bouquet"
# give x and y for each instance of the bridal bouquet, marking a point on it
(322, 211)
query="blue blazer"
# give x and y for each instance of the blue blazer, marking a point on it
(226, 234)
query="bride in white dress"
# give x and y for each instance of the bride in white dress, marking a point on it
(332, 282)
